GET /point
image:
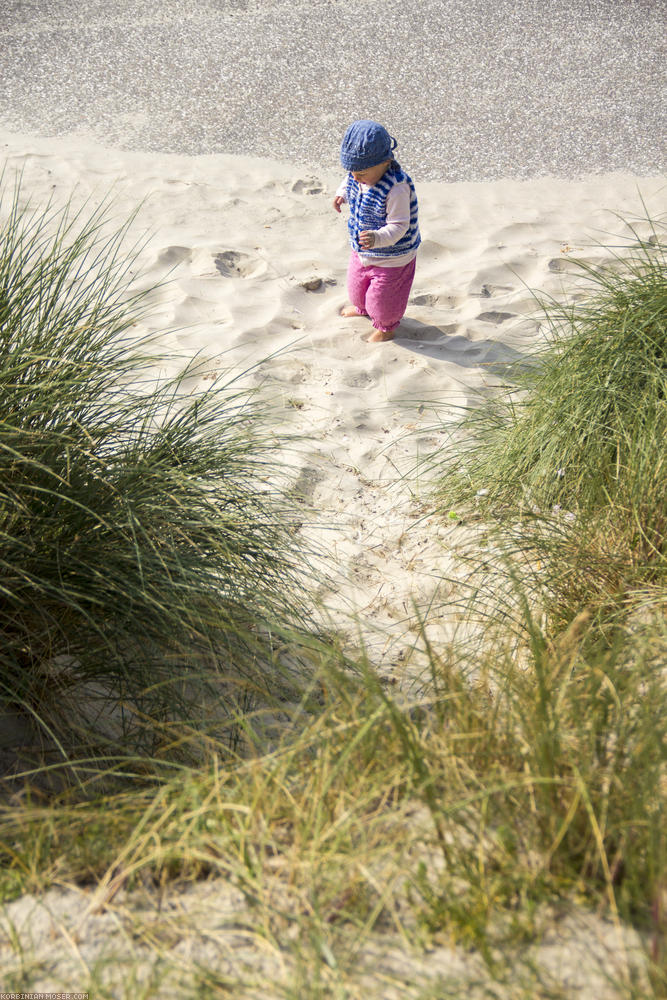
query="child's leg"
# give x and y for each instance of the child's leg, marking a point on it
(358, 280)
(387, 296)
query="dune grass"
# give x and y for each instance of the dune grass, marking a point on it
(570, 463)
(566, 473)
(521, 792)
(146, 545)
(495, 814)
(588, 419)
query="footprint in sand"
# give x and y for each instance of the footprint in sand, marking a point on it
(359, 380)
(488, 290)
(446, 301)
(309, 185)
(495, 317)
(173, 256)
(234, 264)
(308, 480)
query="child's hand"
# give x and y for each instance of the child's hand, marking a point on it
(367, 239)
(337, 202)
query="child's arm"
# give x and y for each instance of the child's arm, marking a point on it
(398, 220)
(340, 198)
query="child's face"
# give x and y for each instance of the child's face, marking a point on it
(371, 175)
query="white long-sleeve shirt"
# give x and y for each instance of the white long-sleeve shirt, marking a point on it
(398, 221)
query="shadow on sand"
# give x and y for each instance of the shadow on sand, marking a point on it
(446, 343)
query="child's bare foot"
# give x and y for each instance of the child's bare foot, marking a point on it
(379, 336)
(350, 311)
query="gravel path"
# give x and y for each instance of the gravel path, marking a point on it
(473, 90)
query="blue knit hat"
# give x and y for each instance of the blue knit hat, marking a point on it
(365, 144)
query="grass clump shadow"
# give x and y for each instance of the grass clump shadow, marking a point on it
(148, 567)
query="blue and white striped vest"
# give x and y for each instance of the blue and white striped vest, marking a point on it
(369, 211)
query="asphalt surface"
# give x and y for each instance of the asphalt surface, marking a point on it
(472, 89)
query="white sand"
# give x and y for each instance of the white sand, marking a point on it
(241, 237)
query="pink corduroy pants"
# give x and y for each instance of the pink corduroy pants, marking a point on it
(381, 293)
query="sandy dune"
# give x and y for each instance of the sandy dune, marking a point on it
(256, 259)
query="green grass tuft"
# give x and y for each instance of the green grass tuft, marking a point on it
(591, 412)
(146, 546)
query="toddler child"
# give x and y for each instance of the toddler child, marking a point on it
(383, 227)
